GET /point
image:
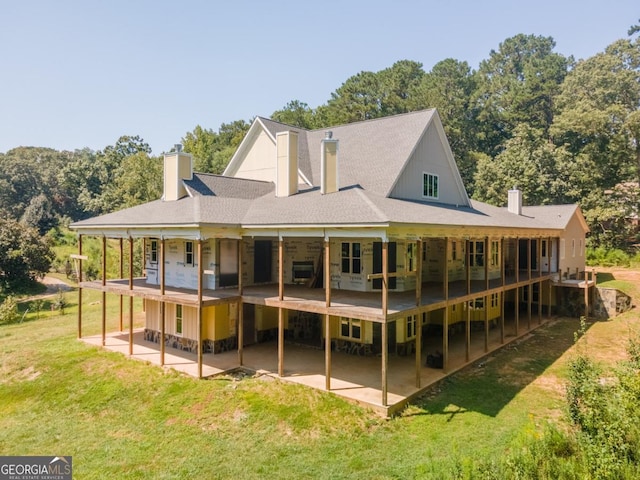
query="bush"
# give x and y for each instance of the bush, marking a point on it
(603, 257)
(9, 311)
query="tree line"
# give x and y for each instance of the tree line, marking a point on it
(562, 130)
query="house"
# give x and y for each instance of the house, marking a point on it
(358, 240)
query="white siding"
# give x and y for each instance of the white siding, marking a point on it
(429, 157)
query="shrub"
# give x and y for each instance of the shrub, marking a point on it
(9, 311)
(600, 256)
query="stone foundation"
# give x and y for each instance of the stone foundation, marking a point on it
(610, 302)
(190, 345)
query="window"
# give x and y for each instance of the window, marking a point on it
(429, 185)
(495, 249)
(188, 253)
(411, 327)
(543, 247)
(454, 250)
(178, 319)
(476, 254)
(494, 300)
(562, 248)
(580, 247)
(351, 329)
(351, 257)
(573, 247)
(477, 304)
(154, 250)
(411, 255)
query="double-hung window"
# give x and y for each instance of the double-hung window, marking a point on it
(476, 254)
(154, 250)
(351, 257)
(188, 254)
(430, 185)
(178, 319)
(351, 329)
(495, 249)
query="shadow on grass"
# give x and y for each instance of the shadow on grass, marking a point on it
(487, 386)
(605, 277)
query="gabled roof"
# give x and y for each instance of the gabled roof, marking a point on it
(372, 156)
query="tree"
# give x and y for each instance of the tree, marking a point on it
(357, 99)
(295, 113)
(212, 151)
(201, 143)
(39, 214)
(518, 84)
(24, 254)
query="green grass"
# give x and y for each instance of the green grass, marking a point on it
(121, 418)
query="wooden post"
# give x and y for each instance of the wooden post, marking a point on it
(540, 302)
(327, 317)
(280, 310)
(517, 292)
(550, 255)
(200, 308)
(418, 266)
(467, 331)
(586, 298)
(445, 330)
(486, 323)
(327, 351)
(121, 276)
(487, 253)
(240, 307)
(517, 269)
(529, 258)
(503, 276)
(467, 254)
(385, 326)
(131, 295)
(80, 286)
(162, 303)
(104, 293)
(281, 269)
(280, 341)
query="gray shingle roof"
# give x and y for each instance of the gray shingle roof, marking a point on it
(371, 156)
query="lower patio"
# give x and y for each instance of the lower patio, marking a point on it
(355, 378)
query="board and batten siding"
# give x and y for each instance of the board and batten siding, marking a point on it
(429, 157)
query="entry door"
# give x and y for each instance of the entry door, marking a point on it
(522, 254)
(377, 264)
(262, 261)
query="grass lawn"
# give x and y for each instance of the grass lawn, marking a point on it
(125, 419)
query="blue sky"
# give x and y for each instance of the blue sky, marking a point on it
(82, 73)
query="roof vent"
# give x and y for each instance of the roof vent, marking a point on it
(178, 147)
(328, 135)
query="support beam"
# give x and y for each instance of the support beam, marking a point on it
(240, 314)
(517, 293)
(517, 260)
(281, 269)
(586, 297)
(418, 266)
(163, 304)
(540, 303)
(487, 255)
(131, 294)
(502, 316)
(503, 276)
(121, 276)
(280, 342)
(529, 301)
(104, 293)
(200, 308)
(445, 329)
(486, 323)
(327, 351)
(550, 255)
(80, 286)
(385, 326)
(327, 318)
(467, 265)
(529, 258)
(467, 331)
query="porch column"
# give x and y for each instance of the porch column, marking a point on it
(80, 286)
(419, 314)
(467, 255)
(517, 260)
(280, 311)
(240, 314)
(550, 255)
(486, 323)
(467, 331)
(540, 302)
(162, 303)
(445, 329)
(503, 276)
(529, 258)
(121, 276)
(327, 318)
(104, 293)
(200, 308)
(487, 253)
(529, 301)
(517, 293)
(131, 294)
(385, 326)
(586, 296)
